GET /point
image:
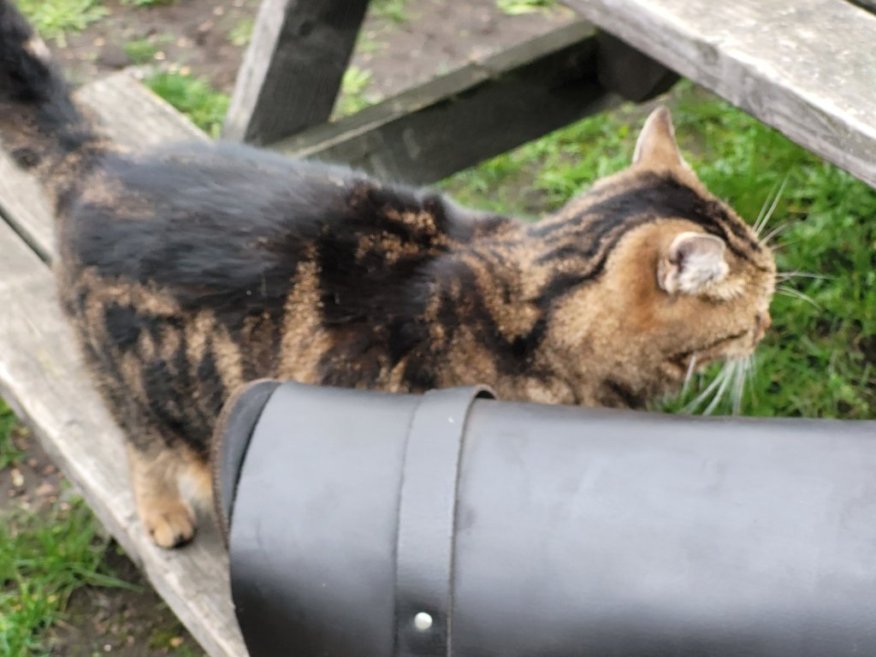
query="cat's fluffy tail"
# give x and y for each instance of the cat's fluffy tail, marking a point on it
(39, 124)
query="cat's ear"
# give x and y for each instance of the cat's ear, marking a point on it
(692, 262)
(656, 147)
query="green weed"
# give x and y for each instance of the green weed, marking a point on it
(43, 559)
(9, 453)
(53, 19)
(518, 7)
(353, 96)
(147, 3)
(366, 43)
(193, 96)
(140, 51)
(241, 34)
(392, 10)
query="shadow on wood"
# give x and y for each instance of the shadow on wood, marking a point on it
(629, 72)
(469, 115)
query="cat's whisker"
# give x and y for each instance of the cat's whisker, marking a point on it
(783, 276)
(775, 232)
(797, 294)
(765, 216)
(707, 393)
(719, 395)
(780, 246)
(739, 381)
(691, 368)
(692, 405)
(735, 393)
(757, 226)
(752, 367)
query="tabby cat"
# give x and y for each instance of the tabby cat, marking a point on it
(191, 270)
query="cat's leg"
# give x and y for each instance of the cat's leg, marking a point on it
(158, 475)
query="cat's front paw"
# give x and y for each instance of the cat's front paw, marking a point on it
(171, 526)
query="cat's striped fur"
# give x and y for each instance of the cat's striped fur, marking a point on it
(189, 271)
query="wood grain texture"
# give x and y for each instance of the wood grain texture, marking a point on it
(807, 68)
(468, 115)
(293, 67)
(25, 207)
(42, 379)
(128, 113)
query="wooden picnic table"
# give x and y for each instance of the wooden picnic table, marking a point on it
(808, 68)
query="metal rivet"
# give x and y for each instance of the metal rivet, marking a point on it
(423, 621)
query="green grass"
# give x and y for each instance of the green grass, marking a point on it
(140, 51)
(54, 19)
(366, 43)
(353, 96)
(518, 7)
(43, 559)
(9, 453)
(818, 360)
(241, 34)
(192, 96)
(395, 11)
(147, 3)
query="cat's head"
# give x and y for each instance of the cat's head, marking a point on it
(682, 279)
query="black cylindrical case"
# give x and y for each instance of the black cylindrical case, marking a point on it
(363, 524)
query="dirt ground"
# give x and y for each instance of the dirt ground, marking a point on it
(434, 36)
(203, 36)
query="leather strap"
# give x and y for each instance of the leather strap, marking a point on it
(427, 510)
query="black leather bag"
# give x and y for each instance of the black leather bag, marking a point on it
(363, 524)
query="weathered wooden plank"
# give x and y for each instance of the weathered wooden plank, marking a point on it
(42, 379)
(129, 113)
(468, 115)
(132, 115)
(807, 68)
(293, 67)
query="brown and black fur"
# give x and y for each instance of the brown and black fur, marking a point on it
(192, 270)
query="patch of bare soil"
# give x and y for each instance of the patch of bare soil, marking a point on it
(33, 483)
(197, 34)
(116, 621)
(204, 36)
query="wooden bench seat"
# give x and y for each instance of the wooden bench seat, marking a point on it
(807, 68)
(43, 381)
